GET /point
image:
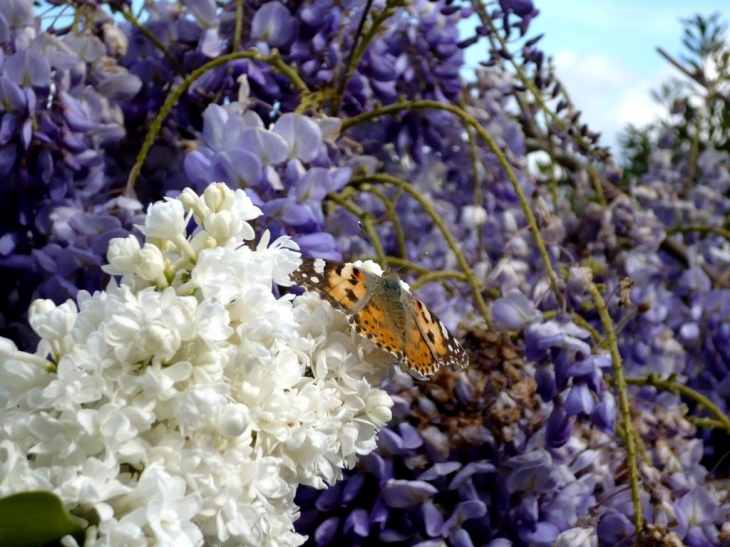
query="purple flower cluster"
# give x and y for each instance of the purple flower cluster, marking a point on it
(60, 114)
(523, 448)
(70, 94)
(577, 416)
(477, 457)
(286, 169)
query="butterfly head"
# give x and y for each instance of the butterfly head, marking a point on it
(392, 282)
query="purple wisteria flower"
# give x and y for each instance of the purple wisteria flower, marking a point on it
(59, 115)
(469, 460)
(524, 447)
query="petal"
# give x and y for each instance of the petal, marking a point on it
(402, 494)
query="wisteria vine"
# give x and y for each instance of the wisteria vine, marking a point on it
(165, 166)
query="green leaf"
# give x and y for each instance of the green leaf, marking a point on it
(29, 519)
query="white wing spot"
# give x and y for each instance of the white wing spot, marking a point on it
(346, 271)
(444, 330)
(314, 279)
(319, 265)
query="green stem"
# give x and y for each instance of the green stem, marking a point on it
(597, 185)
(366, 221)
(390, 207)
(501, 158)
(274, 60)
(438, 221)
(132, 20)
(528, 82)
(624, 404)
(238, 29)
(680, 389)
(704, 230)
(348, 70)
(694, 152)
(430, 277)
(581, 322)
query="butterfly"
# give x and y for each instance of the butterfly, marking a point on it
(381, 310)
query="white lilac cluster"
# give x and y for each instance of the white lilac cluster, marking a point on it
(185, 403)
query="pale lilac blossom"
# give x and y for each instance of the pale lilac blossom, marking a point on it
(222, 397)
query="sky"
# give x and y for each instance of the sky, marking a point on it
(605, 54)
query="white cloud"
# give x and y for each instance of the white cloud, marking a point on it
(605, 54)
(610, 95)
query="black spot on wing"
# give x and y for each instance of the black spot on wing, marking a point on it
(445, 348)
(350, 295)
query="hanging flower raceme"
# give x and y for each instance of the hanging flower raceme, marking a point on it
(186, 402)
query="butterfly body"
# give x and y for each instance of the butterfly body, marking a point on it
(380, 309)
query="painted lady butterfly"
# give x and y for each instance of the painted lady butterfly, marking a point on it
(379, 309)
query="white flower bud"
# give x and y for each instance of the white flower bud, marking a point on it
(190, 200)
(223, 226)
(234, 420)
(115, 39)
(122, 254)
(473, 216)
(244, 90)
(165, 220)
(51, 322)
(218, 197)
(150, 262)
(330, 128)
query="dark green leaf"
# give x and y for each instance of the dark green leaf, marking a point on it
(30, 519)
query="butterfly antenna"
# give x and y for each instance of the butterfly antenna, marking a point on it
(410, 263)
(384, 264)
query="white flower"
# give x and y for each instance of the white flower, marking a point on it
(473, 216)
(150, 262)
(199, 406)
(185, 403)
(227, 213)
(244, 207)
(50, 321)
(122, 255)
(234, 420)
(164, 509)
(577, 537)
(279, 259)
(267, 479)
(165, 220)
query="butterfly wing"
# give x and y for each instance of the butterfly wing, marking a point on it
(354, 292)
(419, 355)
(425, 331)
(340, 284)
(381, 328)
(394, 321)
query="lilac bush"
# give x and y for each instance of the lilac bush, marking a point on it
(176, 452)
(591, 300)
